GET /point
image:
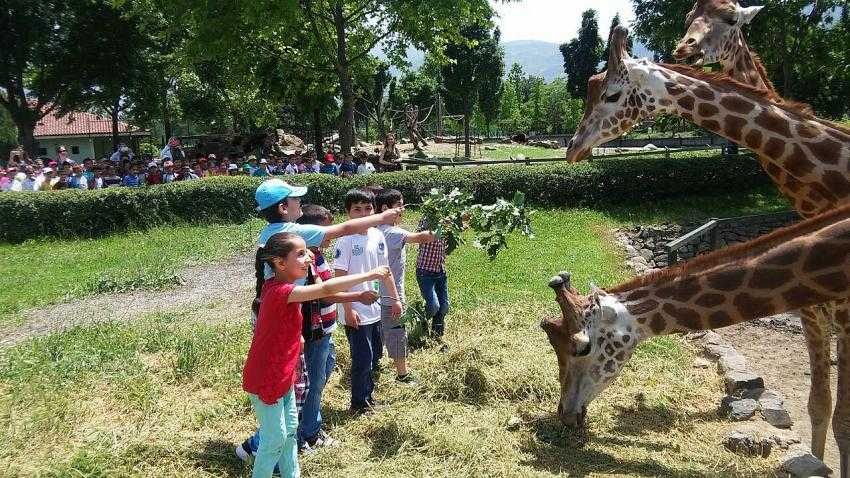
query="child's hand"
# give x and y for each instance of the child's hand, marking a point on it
(396, 309)
(381, 272)
(368, 297)
(392, 216)
(352, 320)
(429, 237)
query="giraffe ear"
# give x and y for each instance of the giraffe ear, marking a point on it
(745, 15)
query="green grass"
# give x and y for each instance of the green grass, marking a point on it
(41, 272)
(162, 396)
(505, 151)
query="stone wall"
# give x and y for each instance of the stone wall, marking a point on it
(645, 245)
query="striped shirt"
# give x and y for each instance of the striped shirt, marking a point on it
(323, 271)
(432, 255)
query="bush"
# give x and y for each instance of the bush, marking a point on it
(72, 213)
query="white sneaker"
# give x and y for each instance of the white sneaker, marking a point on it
(244, 455)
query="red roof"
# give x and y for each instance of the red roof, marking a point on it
(81, 124)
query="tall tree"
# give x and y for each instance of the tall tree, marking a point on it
(583, 54)
(469, 71)
(492, 71)
(40, 68)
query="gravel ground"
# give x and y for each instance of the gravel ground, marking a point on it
(232, 280)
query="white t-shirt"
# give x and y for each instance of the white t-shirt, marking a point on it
(360, 253)
(366, 168)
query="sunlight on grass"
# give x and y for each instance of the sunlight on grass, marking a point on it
(46, 271)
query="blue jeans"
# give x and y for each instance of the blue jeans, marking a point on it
(320, 363)
(278, 427)
(435, 291)
(365, 344)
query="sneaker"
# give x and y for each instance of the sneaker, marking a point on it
(304, 448)
(322, 439)
(406, 379)
(361, 410)
(246, 456)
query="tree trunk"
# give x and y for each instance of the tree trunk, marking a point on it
(166, 119)
(26, 136)
(114, 114)
(346, 82)
(467, 149)
(317, 133)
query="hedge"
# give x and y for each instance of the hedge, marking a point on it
(73, 213)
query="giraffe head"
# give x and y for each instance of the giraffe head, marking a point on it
(616, 99)
(713, 26)
(593, 339)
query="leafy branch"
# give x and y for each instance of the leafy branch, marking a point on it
(448, 215)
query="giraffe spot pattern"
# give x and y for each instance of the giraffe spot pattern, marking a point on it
(711, 125)
(784, 256)
(637, 294)
(710, 299)
(734, 127)
(808, 130)
(834, 282)
(769, 120)
(686, 102)
(737, 104)
(800, 295)
(719, 319)
(837, 183)
(774, 148)
(686, 289)
(643, 307)
(824, 255)
(704, 93)
(753, 307)
(727, 280)
(673, 89)
(656, 324)
(687, 318)
(827, 150)
(769, 278)
(797, 163)
(707, 110)
(753, 139)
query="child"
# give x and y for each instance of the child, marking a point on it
(280, 204)
(354, 254)
(395, 335)
(433, 284)
(274, 353)
(320, 323)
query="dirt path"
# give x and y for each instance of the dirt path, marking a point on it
(233, 278)
(780, 357)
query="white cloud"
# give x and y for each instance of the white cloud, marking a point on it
(555, 21)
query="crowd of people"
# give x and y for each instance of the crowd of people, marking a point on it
(125, 168)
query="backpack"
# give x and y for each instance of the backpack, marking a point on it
(312, 328)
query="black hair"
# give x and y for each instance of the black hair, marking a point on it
(315, 215)
(272, 213)
(357, 196)
(387, 197)
(279, 245)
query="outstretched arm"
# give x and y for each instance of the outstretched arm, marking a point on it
(423, 237)
(361, 225)
(337, 284)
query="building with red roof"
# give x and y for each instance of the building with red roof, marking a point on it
(84, 135)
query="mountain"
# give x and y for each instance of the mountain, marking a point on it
(538, 58)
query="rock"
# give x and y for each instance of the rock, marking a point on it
(784, 438)
(514, 423)
(701, 363)
(646, 254)
(799, 462)
(748, 442)
(737, 381)
(773, 409)
(730, 360)
(738, 409)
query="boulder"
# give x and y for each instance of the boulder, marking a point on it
(800, 462)
(738, 409)
(738, 381)
(748, 442)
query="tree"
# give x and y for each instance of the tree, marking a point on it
(492, 71)
(469, 71)
(802, 43)
(374, 96)
(40, 67)
(583, 54)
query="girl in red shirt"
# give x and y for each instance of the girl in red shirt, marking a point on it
(269, 370)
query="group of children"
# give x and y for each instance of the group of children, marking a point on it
(296, 312)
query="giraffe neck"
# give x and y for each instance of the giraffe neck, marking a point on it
(811, 156)
(740, 63)
(796, 267)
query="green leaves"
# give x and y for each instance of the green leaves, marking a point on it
(448, 215)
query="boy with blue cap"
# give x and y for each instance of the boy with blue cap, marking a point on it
(280, 204)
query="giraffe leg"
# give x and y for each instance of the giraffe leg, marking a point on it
(841, 417)
(816, 331)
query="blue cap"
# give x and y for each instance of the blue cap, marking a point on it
(274, 191)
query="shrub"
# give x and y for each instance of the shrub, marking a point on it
(226, 199)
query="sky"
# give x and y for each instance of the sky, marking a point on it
(555, 21)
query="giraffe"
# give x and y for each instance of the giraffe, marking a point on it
(595, 335)
(714, 35)
(810, 155)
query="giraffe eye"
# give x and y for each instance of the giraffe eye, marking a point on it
(613, 98)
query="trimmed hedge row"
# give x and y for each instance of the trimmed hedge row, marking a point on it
(72, 213)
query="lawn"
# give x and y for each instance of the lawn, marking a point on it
(161, 396)
(41, 272)
(501, 151)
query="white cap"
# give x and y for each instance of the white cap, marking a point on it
(21, 176)
(232, 166)
(264, 161)
(152, 164)
(47, 170)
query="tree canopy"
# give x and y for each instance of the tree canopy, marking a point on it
(583, 54)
